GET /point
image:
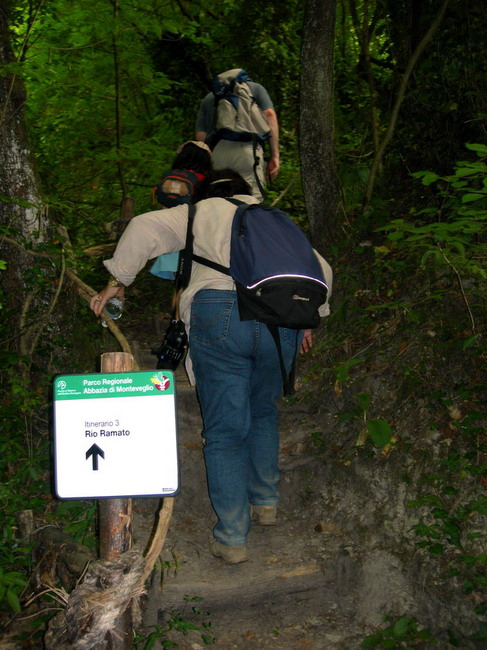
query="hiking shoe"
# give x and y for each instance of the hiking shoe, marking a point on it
(265, 515)
(230, 554)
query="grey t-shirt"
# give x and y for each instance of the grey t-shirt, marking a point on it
(206, 118)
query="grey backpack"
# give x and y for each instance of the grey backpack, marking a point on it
(238, 116)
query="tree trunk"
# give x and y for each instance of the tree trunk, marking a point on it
(32, 282)
(19, 194)
(320, 182)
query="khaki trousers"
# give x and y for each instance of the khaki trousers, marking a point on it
(239, 156)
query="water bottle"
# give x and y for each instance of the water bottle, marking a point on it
(114, 308)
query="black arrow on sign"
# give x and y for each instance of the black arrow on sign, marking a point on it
(95, 451)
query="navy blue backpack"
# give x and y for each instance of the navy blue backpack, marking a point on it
(278, 277)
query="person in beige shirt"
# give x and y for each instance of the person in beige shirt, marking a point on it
(234, 363)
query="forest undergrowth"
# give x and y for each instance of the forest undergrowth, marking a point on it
(401, 369)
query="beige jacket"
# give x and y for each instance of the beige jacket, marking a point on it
(164, 231)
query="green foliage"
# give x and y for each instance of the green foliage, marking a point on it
(342, 370)
(403, 632)
(112, 93)
(25, 462)
(380, 432)
(452, 522)
(452, 233)
(441, 109)
(104, 117)
(406, 327)
(13, 558)
(318, 438)
(78, 518)
(25, 484)
(452, 526)
(178, 624)
(377, 429)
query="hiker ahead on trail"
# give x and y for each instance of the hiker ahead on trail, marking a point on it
(235, 119)
(180, 185)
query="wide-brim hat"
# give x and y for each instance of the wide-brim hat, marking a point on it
(198, 143)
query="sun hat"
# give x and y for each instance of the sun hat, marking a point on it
(198, 143)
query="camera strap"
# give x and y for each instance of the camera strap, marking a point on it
(183, 273)
(172, 349)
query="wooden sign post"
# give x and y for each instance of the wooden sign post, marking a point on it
(116, 517)
(115, 514)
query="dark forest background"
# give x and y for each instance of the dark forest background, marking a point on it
(382, 111)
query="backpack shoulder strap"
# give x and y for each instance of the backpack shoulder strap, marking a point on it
(214, 265)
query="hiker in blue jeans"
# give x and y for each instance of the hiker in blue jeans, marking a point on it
(238, 379)
(234, 363)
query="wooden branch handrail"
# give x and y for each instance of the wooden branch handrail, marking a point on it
(84, 290)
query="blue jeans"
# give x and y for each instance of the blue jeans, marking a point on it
(238, 380)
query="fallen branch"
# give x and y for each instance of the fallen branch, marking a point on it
(460, 284)
(159, 538)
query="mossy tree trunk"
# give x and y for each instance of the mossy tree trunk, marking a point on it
(19, 193)
(33, 258)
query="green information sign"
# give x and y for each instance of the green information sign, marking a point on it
(125, 384)
(111, 440)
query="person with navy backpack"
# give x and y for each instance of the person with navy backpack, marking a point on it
(233, 357)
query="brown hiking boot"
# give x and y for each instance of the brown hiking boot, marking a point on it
(230, 554)
(265, 515)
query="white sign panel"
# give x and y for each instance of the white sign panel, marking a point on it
(115, 435)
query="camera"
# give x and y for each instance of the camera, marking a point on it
(172, 349)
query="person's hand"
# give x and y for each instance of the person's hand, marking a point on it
(99, 300)
(273, 168)
(307, 342)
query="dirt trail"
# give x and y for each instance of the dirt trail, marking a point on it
(283, 597)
